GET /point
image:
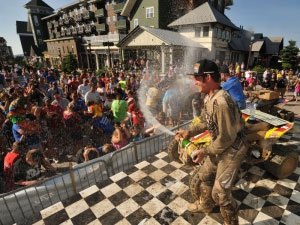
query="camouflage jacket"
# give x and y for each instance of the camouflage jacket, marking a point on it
(222, 118)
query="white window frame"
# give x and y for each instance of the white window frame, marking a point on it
(150, 14)
(135, 22)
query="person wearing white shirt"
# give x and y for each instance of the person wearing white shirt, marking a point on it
(83, 88)
(58, 100)
(92, 95)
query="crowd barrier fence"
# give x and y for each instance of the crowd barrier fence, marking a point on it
(20, 205)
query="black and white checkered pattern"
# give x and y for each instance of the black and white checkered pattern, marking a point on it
(156, 192)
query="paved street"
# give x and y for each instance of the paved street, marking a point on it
(293, 105)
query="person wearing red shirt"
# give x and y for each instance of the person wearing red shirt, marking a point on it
(73, 85)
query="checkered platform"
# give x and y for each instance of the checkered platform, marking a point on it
(156, 192)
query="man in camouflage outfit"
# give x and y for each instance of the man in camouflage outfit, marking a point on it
(227, 150)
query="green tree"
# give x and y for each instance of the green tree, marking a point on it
(289, 56)
(69, 63)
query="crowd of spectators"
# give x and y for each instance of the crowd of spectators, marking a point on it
(59, 117)
(271, 79)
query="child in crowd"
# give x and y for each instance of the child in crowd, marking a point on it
(121, 136)
(95, 110)
(136, 134)
(297, 90)
(89, 152)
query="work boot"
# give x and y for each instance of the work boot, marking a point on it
(230, 214)
(197, 207)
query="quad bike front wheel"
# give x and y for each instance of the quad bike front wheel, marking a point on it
(173, 151)
(194, 184)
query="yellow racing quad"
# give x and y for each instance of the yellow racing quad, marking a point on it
(261, 135)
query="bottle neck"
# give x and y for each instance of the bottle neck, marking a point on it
(185, 143)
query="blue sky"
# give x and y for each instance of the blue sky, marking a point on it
(270, 17)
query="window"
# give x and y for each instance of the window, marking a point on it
(223, 34)
(206, 31)
(108, 19)
(215, 32)
(219, 33)
(197, 31)
(228, 36)
(36, 20)
(150, 12)
(135, 22)
(114, 18)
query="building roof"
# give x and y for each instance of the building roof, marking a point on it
(50, 16)
(168, 37)
(128, 7)
(65, 7)
(205, 13)
(37, 3)
(273, 45)
(228, 2)
(75, 3)
(257, 45)
(239, 44)
(26, 43)
(269, 45)
(241, 41)
(22, 27)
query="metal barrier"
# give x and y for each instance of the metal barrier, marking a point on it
(20, 205)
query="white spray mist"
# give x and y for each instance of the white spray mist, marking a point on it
(149, 117)
(185, 87)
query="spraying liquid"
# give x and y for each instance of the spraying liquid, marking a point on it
(184, 87)
(149, 117)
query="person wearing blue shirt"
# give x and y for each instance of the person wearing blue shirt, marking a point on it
(233, 86)
(32, 140)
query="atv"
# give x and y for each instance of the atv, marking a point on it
(261, 134)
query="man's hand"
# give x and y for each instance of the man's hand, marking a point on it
(182, 134)
(198, 155)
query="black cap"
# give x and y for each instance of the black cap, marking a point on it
(204, 67)
(224, 69)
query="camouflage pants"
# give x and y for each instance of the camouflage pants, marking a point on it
(217, 175)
